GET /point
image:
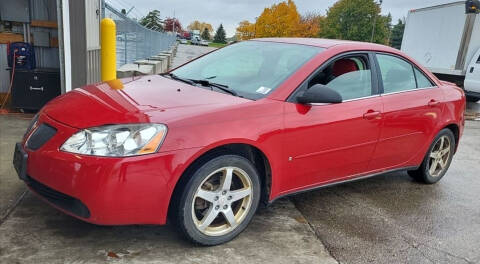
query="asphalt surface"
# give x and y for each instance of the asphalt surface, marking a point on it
(393, 219)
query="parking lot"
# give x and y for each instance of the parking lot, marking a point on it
(189, 52)
(386, 219)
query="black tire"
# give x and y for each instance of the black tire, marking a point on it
(422, 174)
(183, 212)
(473, 99)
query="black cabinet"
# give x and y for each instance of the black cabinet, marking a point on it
(32, 89)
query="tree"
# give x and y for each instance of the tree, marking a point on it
(356, 20)
(205, 34)
(397, 34)
(245, 30)
(173, 24)
(309, 25)
(152, 21)
(220, 35)
(200, 26)
(280, 20)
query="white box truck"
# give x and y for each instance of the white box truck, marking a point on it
(446, 39)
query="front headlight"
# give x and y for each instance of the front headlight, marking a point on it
(117, 140)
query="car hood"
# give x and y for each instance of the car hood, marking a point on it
(147, 99)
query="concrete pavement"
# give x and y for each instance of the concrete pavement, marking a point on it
(12, 128)
(187, 53)
(38, 233)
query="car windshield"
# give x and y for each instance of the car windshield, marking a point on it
(252, 69)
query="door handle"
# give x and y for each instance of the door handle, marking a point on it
(36, 88)
(433, 103)
(471, 69)
(371, 114)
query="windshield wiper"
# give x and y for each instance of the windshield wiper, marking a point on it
(175, 77)
(222, 87)
(203, 83)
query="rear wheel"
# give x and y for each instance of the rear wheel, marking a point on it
(437, 160)
(219, 200)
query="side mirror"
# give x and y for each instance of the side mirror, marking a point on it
(319, 94)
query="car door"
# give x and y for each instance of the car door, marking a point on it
(329, 142)
(411, 106)
(472, 77)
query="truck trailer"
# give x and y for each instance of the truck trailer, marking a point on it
(446, 39)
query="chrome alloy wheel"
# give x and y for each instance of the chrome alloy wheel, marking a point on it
(222, 201)
(439, 156)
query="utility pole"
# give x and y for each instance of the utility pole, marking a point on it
(375, 22)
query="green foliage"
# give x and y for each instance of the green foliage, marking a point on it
(355, 20)
(217, 45)
(205, 34)
(220, 35)
(397, 34)
(152, 21)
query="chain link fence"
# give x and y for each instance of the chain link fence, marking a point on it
(134, 41)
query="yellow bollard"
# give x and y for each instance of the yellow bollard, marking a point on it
(115, 84)
(108, 51)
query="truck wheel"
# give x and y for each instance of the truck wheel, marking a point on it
(219, 200)
(437, 160)
(473, 99)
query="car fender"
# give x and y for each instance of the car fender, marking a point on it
(175, 179)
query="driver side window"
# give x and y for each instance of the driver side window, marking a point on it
(349, 76)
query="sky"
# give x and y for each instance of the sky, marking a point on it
(231, 12)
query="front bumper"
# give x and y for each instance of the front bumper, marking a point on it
(104, 190)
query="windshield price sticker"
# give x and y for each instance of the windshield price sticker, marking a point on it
(263, 90)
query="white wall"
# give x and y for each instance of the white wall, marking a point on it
(4, 74)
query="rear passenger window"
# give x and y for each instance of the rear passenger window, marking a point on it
(397, 74)
(422, 80)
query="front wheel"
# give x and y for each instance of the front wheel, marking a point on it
(219, 200)
(437, 160)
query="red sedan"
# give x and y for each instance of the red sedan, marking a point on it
(204, 144)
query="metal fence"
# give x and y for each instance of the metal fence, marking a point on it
(134, 41)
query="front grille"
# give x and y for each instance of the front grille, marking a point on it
(40, 136)
(64, 201)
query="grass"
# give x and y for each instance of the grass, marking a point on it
(216, 45)
(212, 44)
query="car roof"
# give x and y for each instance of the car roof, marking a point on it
(327, 43)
